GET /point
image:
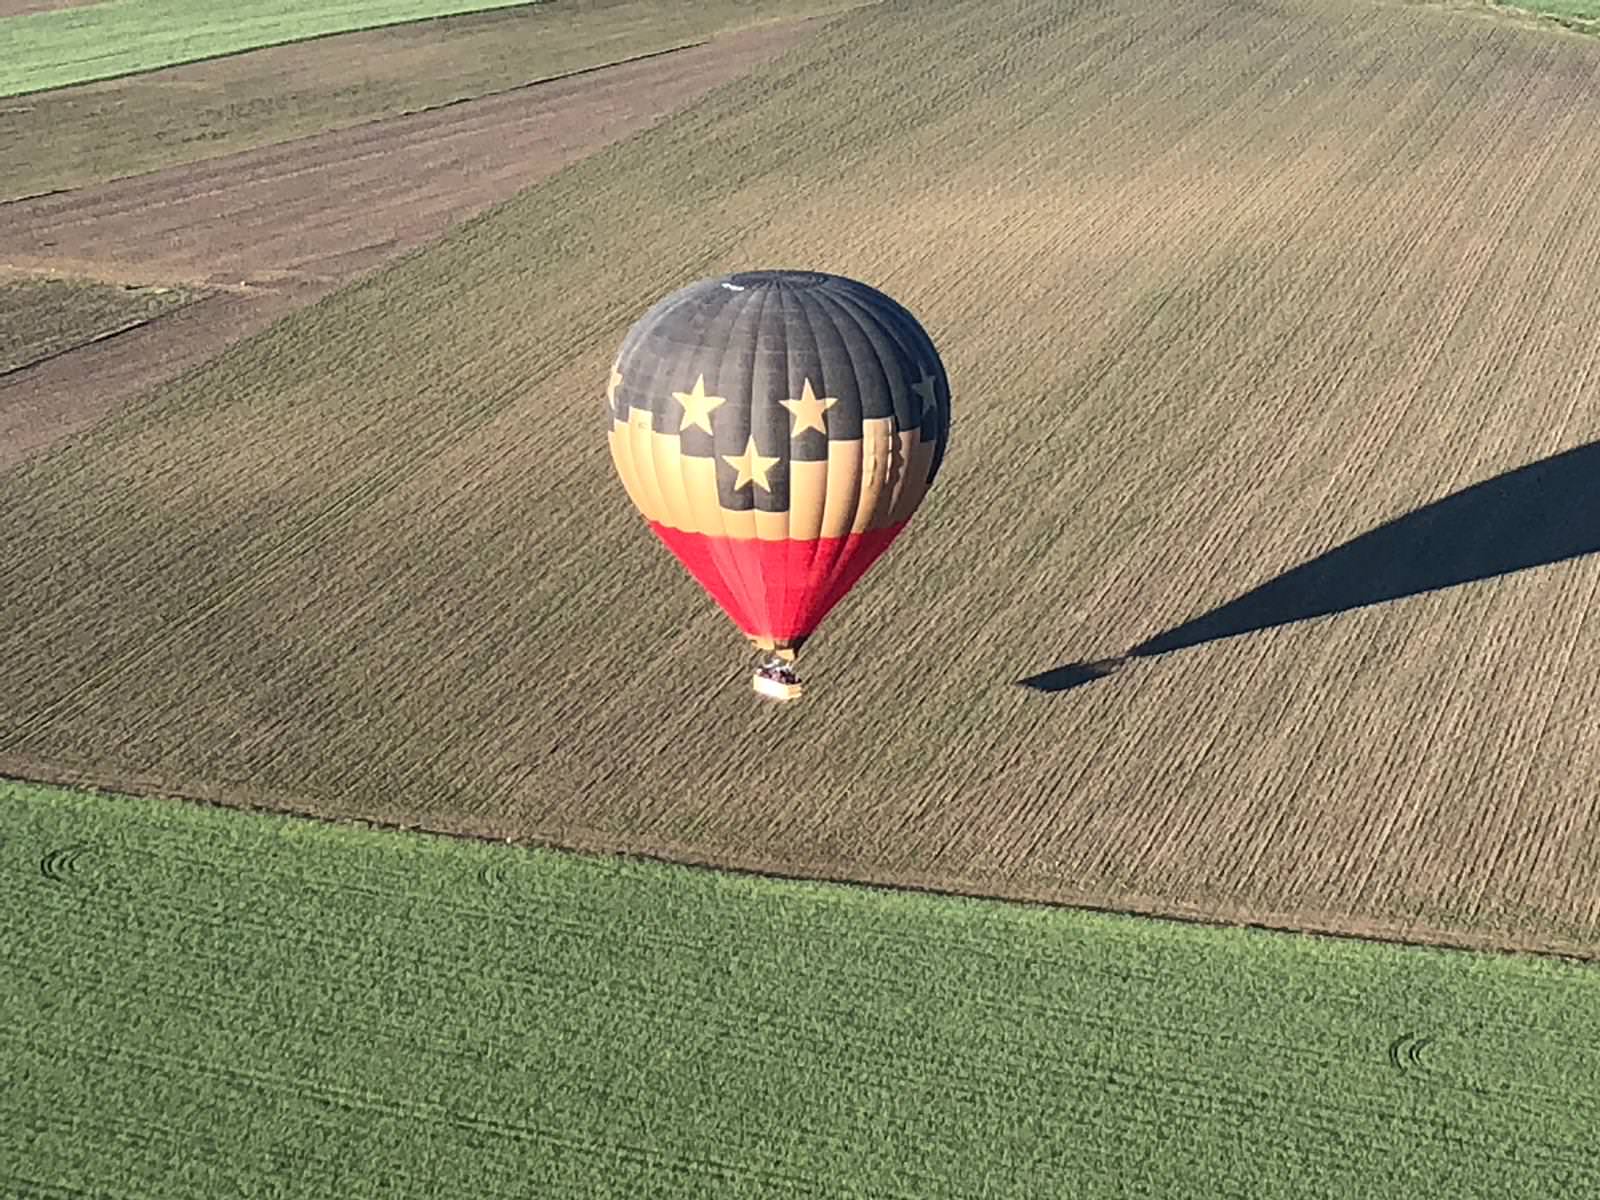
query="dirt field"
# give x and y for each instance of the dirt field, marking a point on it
(1225, 287)
(276, 228)
(76, 136)
(40, 318)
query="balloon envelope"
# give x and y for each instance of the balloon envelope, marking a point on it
(777, 429)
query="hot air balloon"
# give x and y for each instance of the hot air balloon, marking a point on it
(777, 429)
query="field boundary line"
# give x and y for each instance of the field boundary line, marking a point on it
(104, 336)
(294, 41)
(1530, 18)
(8, 373)
(398, 116)
(496, 93)
(24, 769)
(80, 270)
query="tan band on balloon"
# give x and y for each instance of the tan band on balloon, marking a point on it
(667, 460)
(912, 484)
(865, 484)
(808, 498)
(622, 459)
(704, 513)
(640, 436)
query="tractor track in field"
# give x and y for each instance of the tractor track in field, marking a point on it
(61, 864)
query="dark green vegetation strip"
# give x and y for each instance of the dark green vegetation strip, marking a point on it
(1579, 16)
(1223, 288)
(41, 317)
(202, 1003)
(118, 37)
(1583, 15)
(82, 135)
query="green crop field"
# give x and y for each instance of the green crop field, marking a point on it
(201, 1003)
(1577, 16)
(118, 37)
(41, 317)
(1581, 14)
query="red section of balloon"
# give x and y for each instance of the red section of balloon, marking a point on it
(777, 590)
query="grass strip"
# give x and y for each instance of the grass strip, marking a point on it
(202, 1002)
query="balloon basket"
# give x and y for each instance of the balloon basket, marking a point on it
(776, 689)
(775, 678)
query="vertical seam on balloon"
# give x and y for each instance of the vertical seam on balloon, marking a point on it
(838, 569)
(806, 618)
(910, 334)
(728, 560)
(725, 553)
(839, 560)
(717, 542)
(717, 553)
(862, 320)
(759, 584)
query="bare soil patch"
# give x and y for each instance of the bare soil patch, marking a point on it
(1273, 355)
(53, 400)
(40, 318)
(281, 226)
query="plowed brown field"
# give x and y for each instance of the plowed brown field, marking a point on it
(273, 229)
(1225, 287)
(83, 135)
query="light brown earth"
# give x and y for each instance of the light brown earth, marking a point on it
(276, 228)
(1271, 330)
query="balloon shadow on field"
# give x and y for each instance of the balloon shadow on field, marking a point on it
(1542, 513)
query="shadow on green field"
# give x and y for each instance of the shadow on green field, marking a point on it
(1545, 512)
